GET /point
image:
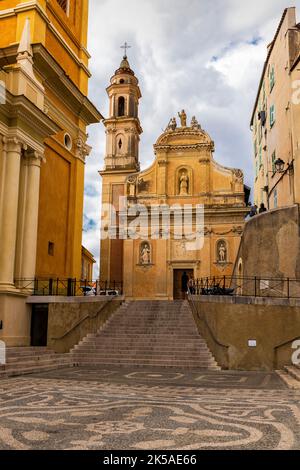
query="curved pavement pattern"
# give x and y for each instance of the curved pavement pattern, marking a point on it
(148, 409)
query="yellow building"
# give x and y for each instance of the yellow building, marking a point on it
(275, 121)
(184, 175)
(87, 265)
(43, 118)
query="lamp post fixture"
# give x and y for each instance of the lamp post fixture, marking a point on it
(279, 165)
(280, 169)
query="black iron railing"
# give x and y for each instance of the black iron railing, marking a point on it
(69, 287)
(287, 288)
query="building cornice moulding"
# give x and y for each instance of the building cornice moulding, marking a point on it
(34, 5)
(18, 112)
(56, 79)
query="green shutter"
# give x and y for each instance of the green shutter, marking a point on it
(272, 115)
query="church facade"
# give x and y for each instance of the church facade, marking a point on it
(184, 181)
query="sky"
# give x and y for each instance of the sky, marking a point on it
(204, 56)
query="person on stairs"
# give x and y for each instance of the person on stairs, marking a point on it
(184, 284)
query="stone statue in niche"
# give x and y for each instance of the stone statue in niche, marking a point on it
(131, 186)
(145, 254)
(222, 253)
(183, 118)
(184, 184)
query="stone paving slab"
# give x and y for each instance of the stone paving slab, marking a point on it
(148, 409)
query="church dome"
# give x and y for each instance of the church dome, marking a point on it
(124, 67)
(184, 136)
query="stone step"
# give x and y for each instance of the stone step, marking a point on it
(150, 347)
(162, 336)
(294, 371)
(28, 348)
(178, 365)
(145, 354)
(29, 354)
(37, 359)
(292, 383)
(29, 363)
(137, 346)
(154, 334)
(31, 370)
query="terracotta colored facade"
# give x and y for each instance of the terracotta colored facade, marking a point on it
(183, 173)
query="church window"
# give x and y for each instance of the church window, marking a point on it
(68, 141)
(120, 144)
(50, 248)
(65, 4)
(121, 106)
(122, 81)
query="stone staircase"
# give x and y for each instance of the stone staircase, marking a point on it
(28, 360)
(290, 376)
(147, 333)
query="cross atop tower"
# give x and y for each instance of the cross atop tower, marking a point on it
(125, 47)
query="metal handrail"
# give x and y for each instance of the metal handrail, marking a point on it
(82, 320)
(57, 287)
(190, 298)
(262, 286)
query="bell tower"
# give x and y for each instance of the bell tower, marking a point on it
(123, 128)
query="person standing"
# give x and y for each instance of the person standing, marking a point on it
(253, 211)
(262, 208)
(191, 285)
(184, 284)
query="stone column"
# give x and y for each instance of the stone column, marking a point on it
(28, 218)
(8, 229)
(2, 171)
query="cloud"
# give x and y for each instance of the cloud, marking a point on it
(203, 56)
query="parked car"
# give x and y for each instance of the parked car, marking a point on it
(109, 292)
(88, 291)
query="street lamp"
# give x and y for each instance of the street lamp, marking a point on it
(279, 165)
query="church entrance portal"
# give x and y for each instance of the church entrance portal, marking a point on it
(178, 281)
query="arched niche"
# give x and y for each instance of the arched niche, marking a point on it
(222, 251)
(120, 144)
(184, 181)
(145, 253)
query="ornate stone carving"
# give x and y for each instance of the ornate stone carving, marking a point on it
(207, 231)
(143, 185)
(34, 158)
(238, 230)
(82, 149)
(238, 175)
